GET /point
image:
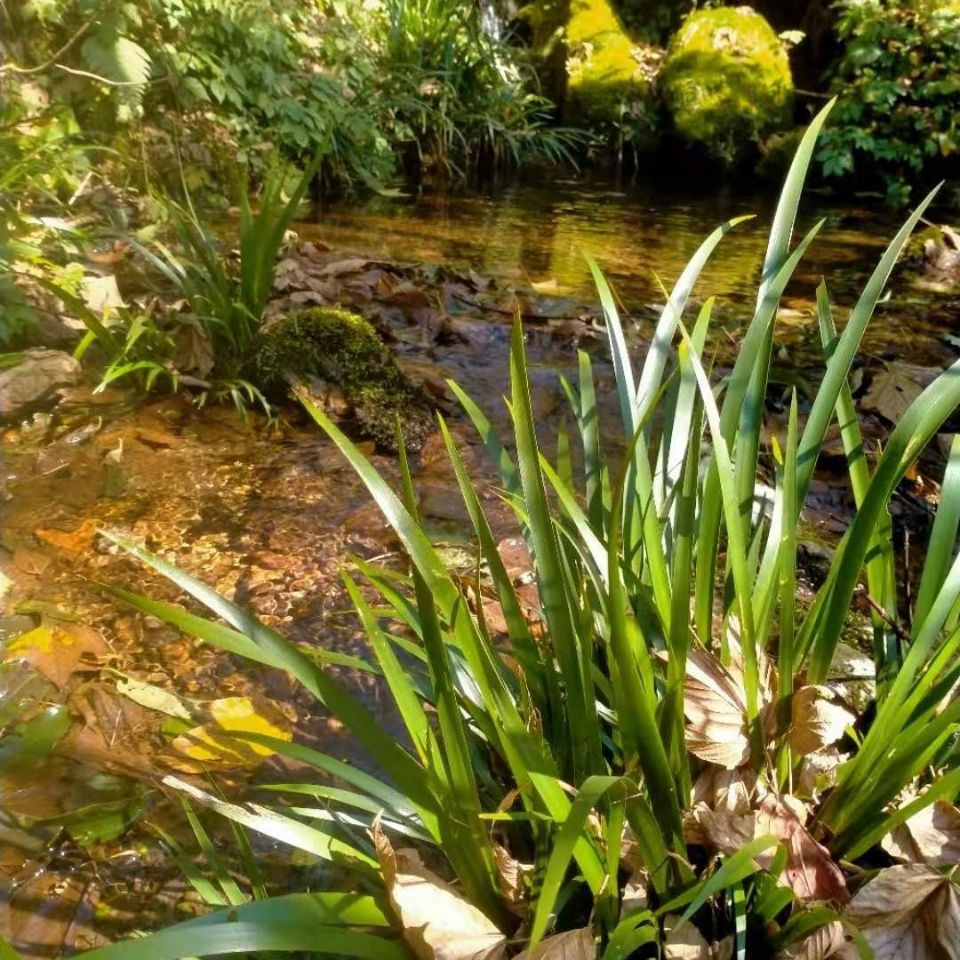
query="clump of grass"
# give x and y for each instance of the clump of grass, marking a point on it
(635, 760)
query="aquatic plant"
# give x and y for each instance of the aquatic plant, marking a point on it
(655, 756)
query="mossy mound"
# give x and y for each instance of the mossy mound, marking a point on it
(727, 82)
(607, 80)
(340, 358)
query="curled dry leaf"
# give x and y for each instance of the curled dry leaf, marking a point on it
(684, 941)
(908, 912)
(436, 922)
(514, 878)
(572, 945)
(825, 942)
(931, 836)
(716, 711)
(818, 722)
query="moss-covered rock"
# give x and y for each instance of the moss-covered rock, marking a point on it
(727, 82)
(608, 74)
(341, 359)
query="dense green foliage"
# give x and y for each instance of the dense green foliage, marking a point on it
(896, 123)
(668, 648)
(376, 86)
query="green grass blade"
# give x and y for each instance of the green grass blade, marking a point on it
(943, 537)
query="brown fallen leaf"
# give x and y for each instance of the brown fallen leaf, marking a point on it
(684, 941)
(894, 388)
(56, 652)
(931, 837)
(514, 878)
(817, 720)
(908, 912)
(31, 561)
(810, 872)
(571, 945)
(74, 543)
(436, 922)
(716, 711)
(825, 942)
(730, 790)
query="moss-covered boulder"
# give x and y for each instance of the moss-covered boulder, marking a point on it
(608, 80)
(342, 361)
(727, 82)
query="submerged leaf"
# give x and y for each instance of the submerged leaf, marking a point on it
(437, 923)
(908, 912)
(216, 743)
(56, 652)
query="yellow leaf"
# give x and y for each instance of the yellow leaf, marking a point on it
(215, 743)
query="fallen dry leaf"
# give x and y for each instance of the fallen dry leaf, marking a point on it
(684, 941)
(818, 722)
(436, 922)
(716, 712)
(571, 945)
(56, 652)
(216, 744)
(931, 837)
(908, 912)
(514, 878)
(810, 871)
(730, 790)
(825, 942)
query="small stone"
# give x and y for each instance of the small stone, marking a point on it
(34, 382)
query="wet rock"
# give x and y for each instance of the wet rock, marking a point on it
(726, 81)
(34, 381)
(347, 369)
(814, 558)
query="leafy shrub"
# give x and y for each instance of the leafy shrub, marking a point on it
(668, 661)
(898, 80)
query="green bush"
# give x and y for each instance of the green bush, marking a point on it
(628, 758)
(896, 125)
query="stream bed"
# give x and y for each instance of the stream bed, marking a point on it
(269, 513)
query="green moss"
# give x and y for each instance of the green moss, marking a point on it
(547, 20)
(605, 79)
(726, 81)
(340, 355)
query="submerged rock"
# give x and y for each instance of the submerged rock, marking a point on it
(33, 381)
(727, 82)
(343, 361)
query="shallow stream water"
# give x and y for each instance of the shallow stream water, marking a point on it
(269, 514)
